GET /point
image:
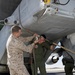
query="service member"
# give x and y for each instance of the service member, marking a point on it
(38, 55)
(15, 47)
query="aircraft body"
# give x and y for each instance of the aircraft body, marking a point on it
(55, 19)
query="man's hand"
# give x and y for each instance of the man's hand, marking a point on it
(36, 38)
(36, 41)
(36, 35)
(52, 47)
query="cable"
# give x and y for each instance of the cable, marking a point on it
(64, 48)
(61, 3)
(20, 17)
(21, 23)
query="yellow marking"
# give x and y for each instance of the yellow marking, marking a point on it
(46, 1)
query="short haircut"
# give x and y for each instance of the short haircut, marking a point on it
(15, 29)
(44, 36)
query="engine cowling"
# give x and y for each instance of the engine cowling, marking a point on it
(54, 57)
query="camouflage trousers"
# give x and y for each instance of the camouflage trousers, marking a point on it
(18, 70)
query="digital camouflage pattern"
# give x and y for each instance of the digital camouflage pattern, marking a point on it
(15, 48)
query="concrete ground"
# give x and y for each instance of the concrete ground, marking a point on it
(47, 73)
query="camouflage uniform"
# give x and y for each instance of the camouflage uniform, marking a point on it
(15, 48)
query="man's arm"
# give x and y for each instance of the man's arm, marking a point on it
(27, 39)
(48, 45)
(26, 48)
(21, 46)
(52, 47)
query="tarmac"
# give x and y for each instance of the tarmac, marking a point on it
(50, 71)
(47, 73)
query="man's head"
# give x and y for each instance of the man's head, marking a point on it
(43, 35)
(42, 38)
(16, 31)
